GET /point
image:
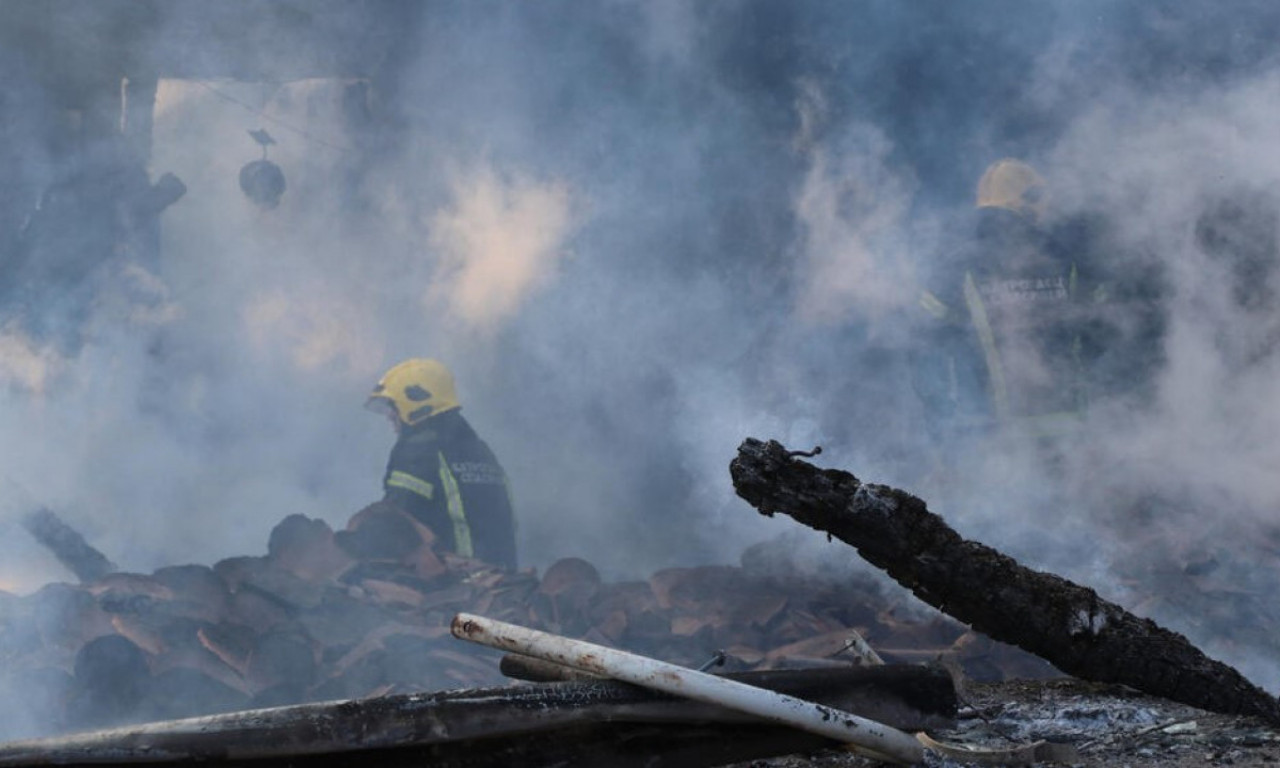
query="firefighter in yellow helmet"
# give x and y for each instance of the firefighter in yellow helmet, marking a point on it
(440, 471)
(1009, 320)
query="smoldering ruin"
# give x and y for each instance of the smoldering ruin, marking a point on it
(640, 233)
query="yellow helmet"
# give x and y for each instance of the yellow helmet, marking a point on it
(413, 390)
(1015, 186)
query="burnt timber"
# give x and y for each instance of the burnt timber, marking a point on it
(571, 723)
(82, 559)
(1064, 623)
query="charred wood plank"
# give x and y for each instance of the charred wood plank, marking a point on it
(496, 720)
(1064, 623)
(66, 544)
(618, 745)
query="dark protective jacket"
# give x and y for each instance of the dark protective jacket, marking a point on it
(1010, 334)
(444, 475)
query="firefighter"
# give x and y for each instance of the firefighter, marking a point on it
(1008, 321)
(440, 471)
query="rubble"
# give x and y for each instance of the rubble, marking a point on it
(361, 616)
(328, 615)
(1103, 725)
(839, 724)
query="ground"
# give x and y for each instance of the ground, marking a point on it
(1104, 725)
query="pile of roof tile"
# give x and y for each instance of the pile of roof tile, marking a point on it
(365, 611)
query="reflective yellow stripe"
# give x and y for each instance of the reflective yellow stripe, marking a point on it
(933, 305)
(408, 482)
(511, 502)
(982, 325)
(461, 530)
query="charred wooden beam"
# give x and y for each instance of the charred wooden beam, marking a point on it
(87, 563)
(501, 721)
(520, 667)
(618, 745)
(1064, 623)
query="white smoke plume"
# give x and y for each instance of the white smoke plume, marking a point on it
(497, 242)
(640, 232)
(852, 209)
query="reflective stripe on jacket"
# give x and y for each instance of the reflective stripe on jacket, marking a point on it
(444, 475)
(1040, 388)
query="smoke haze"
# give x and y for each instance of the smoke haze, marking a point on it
(640, 231)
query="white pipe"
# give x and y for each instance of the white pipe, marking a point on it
(888, 743)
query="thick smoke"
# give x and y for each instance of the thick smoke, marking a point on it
(639, 232)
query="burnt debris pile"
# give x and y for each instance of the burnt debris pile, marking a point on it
(365, 611)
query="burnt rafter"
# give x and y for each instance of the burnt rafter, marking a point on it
(1064, 623)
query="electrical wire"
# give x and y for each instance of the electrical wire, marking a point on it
(275, 121)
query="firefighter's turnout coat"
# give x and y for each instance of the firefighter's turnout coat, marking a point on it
(1014, 329)
(444, 475)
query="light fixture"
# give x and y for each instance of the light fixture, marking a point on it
(262, 181)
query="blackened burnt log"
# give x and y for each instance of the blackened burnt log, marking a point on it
(1066, 624)
(87, 563)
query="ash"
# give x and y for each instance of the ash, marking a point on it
(1068, 711)
(1087, 725)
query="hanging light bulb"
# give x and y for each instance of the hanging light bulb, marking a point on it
(262, 181)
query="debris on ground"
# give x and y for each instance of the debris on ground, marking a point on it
(1096, 725)
(1067, 624)
(595, 722)
(349, 632)
(365, 611)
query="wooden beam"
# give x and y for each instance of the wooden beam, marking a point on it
(1064, 623)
